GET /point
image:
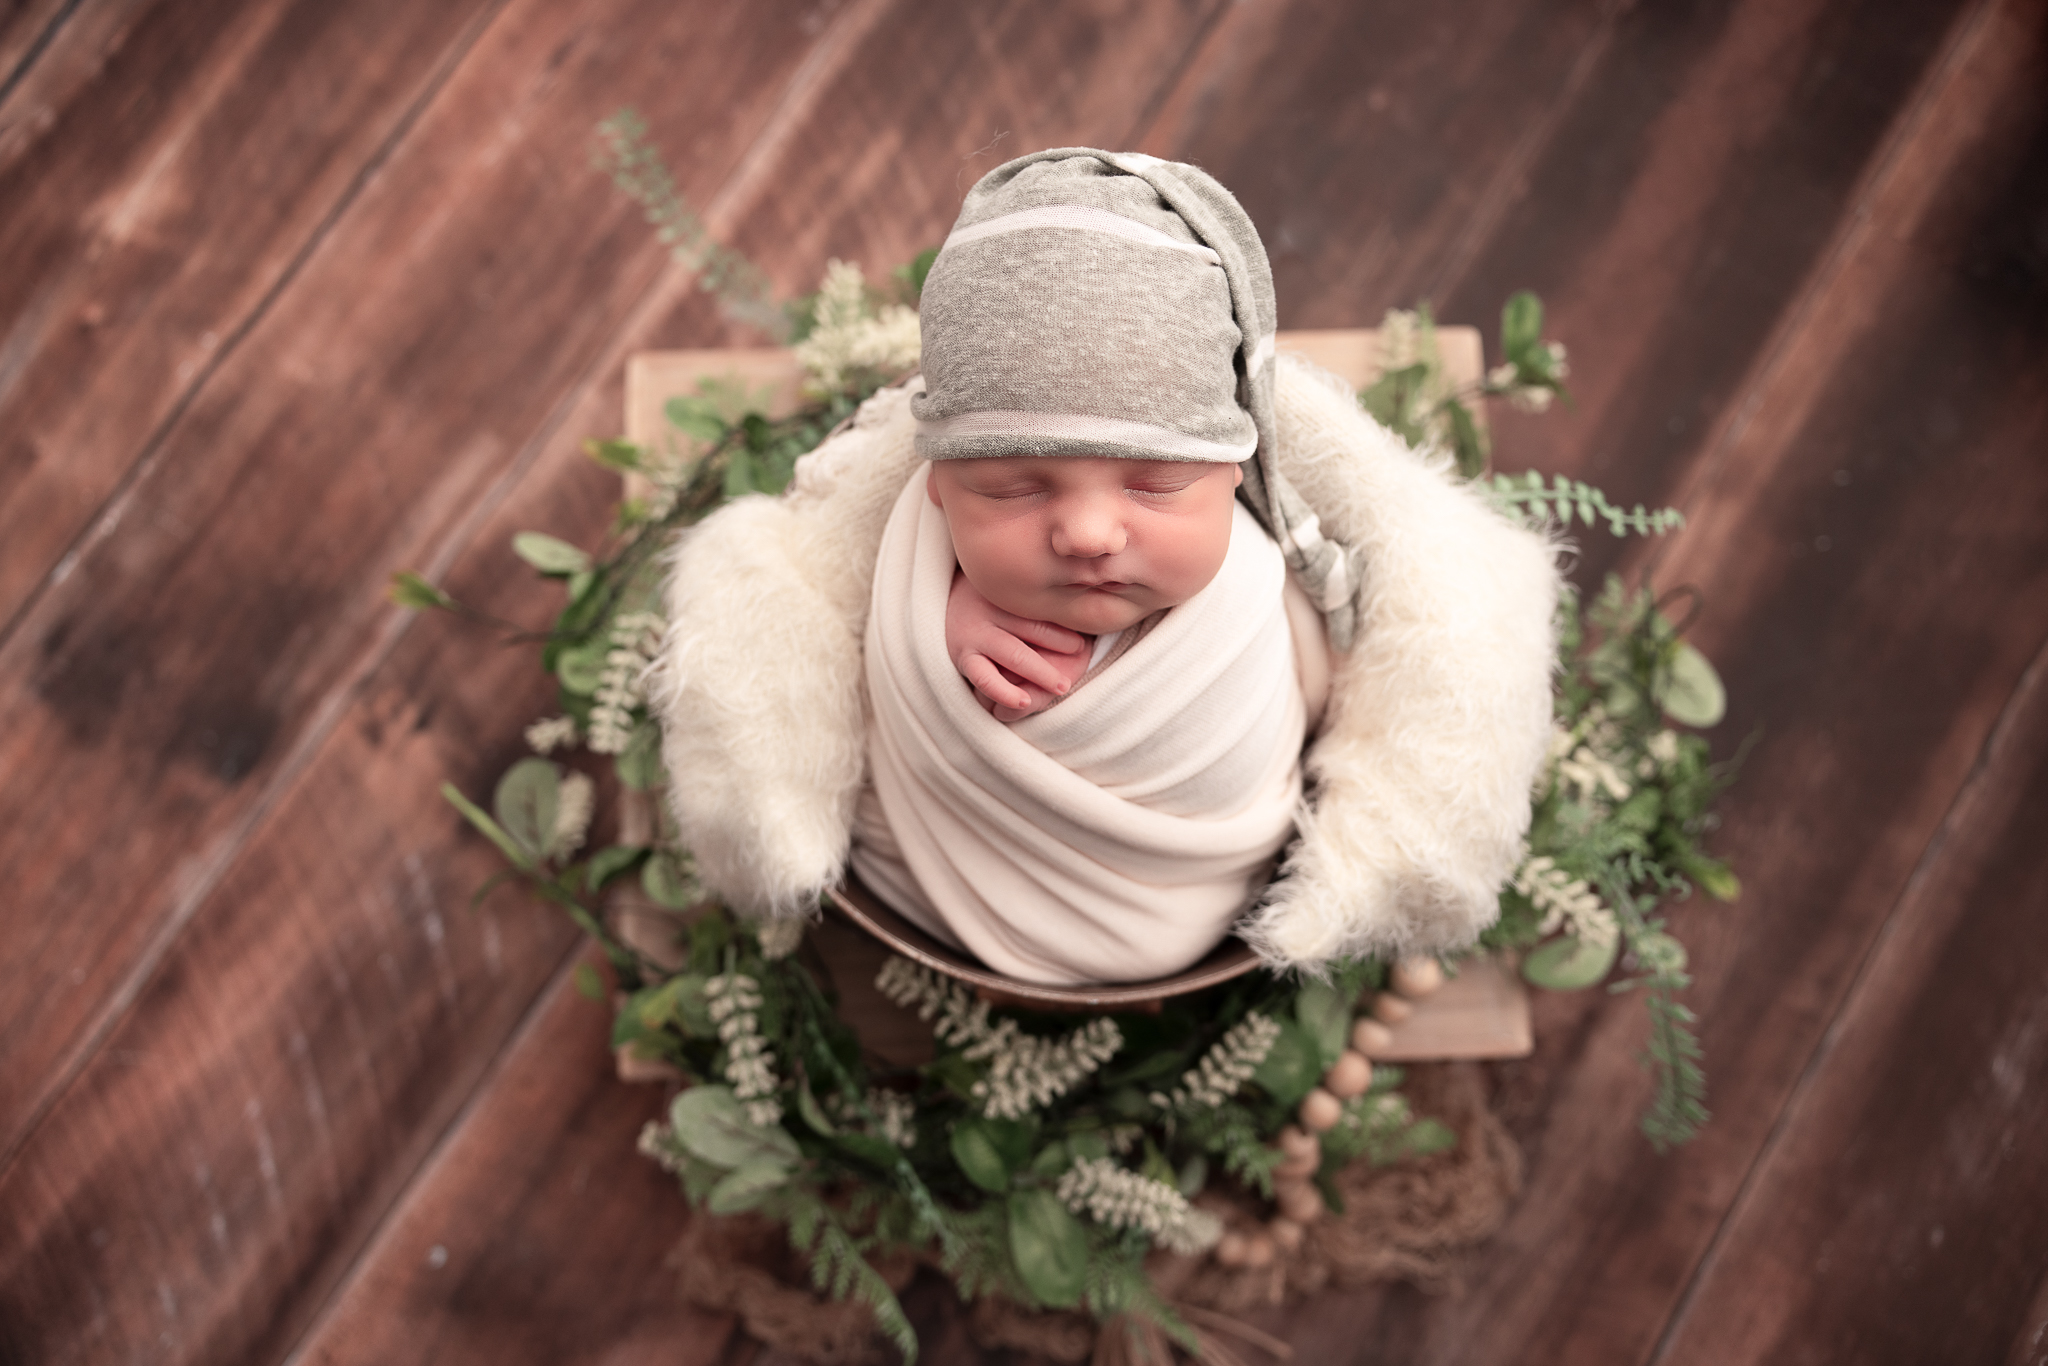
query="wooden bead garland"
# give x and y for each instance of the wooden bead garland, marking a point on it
(1294, 1192)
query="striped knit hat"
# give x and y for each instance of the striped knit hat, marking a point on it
(1109, 303)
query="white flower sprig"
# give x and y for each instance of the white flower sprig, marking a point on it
(733, 999)
(1117, 1197)
(845, 336)
(1583, 758)
(575, 800)
(1225, 1067)
(636, 638)
(548, 735)
(1024, 1071)
(779, 937)
(1567, 902)
(894, 1112)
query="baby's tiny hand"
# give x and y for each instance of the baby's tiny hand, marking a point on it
(1018, 666)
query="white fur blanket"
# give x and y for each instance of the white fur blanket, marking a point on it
(1419, 777)
(1114, 837)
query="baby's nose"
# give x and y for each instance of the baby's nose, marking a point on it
(1088, 529)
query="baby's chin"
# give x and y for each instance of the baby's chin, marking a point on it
(1096, 613)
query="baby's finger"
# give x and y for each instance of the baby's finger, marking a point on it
(1044, 634)
(988, 680)
(1029, 665)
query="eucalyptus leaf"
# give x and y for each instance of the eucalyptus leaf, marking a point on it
(525, 803)
(548, 554)
(1467, 444)
(1049, 1248)
(712, 1124)
(581, 667)
(410, 590)
(639, 764)
(665, 878)
(1521, 326)
(975, 1151)
(613, 455)
(876, 1152)
(1714, 877)
(1325, 1014)
(1568, 963)
(744, 1186)
(695, 417)
(810, 1111)
(1292, 1067)
(1690, 692)
(610, 861)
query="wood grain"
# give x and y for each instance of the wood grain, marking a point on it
(25, 29)
(187, 665)
(534, 1233)
(1686, 196)
(1901, 1215)
(1873, 694)
(280, 1269)
(182, 161)
(246, 600)
(258, 1058)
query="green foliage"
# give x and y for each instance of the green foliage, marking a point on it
(860, 1163)
(410, 590)
(1568, 964)
(1528, 496)
(623, 152)
(1049, 1248)
(1615, 827)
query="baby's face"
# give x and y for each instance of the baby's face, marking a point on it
(1088, 542)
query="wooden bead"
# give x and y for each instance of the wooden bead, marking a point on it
(1416, 977)
(1371, 1038)
(1298, 1167)
(1390, 1009)
(1231, 1249)
(1320, 1111)
(1286, 1234)
(1349, 1077)
(1259, 1250)
(1298, 1200)
(1298, 1142)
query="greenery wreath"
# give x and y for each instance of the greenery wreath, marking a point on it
(1036, 1159)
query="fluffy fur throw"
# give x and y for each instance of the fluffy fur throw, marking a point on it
(1419, 778)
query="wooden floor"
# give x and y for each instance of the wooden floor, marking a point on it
(297, 292)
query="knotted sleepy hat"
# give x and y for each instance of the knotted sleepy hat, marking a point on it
(1113, 304)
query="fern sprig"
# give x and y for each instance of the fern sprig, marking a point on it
(1527, 495)
(840, 1269)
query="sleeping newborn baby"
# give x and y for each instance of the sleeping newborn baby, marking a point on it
(1089, 667)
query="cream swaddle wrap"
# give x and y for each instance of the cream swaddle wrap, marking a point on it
(1114, 837)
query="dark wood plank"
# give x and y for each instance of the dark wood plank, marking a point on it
(26, 28)
(1370, 143)
(1873, 676)
(1676, 213)
(535, 1233)
(192, 660)
(872, 56)
(945, 94)
(163, 167)
(325, 981)
(1902, 1216)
